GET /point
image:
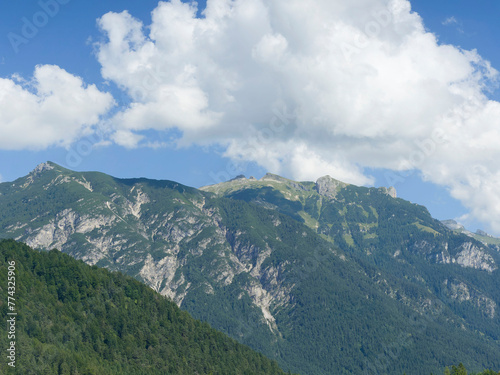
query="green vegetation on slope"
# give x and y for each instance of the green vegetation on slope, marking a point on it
(77, 319)
(396, 244)
(342, 314)
(461, 370)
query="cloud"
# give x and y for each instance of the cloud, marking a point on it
(54, 108)
(311, 88)
(453, 21)
(450, 21)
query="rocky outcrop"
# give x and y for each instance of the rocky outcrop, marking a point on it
(160, 276)
(263, 300)
(390, 191)
(35, 173)
(452, 224)
(480, 232)
(468, 254)
(473, 256)
(274, 177)
(40, 168)
(328, 186)
(140, 199)
(464, 293)
(58, 232)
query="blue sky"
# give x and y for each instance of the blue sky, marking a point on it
(68, 36)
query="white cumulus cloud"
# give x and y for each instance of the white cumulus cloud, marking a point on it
(311, 88)
(53, 108)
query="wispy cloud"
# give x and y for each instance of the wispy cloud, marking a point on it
(451, 21)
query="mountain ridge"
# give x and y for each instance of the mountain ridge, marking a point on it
(270, 261)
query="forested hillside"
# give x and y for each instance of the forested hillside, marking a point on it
(76, 319)
(461, 370)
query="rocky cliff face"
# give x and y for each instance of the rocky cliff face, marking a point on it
(465, 293)
(474, 256)
(467, 255)
(67, 223)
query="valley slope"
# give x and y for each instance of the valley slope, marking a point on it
(75, 319)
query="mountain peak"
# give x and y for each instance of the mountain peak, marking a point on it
(42, 167)
(291, 183)
(273, 177)
(390, 191)
(480, 232)
(328, 186)
(453, 225)
(239, 177)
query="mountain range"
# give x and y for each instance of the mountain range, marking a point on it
(324, 277)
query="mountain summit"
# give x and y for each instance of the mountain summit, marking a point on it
(325, 186)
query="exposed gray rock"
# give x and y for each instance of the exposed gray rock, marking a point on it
(390, 191)
(467, 255)
(462, 293)
(140, 199)
(452, 224)
(42, 167)
(328, 186)
(35, 173)
(474, 257)
(483, 233)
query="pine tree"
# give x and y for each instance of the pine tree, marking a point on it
(460, 370)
